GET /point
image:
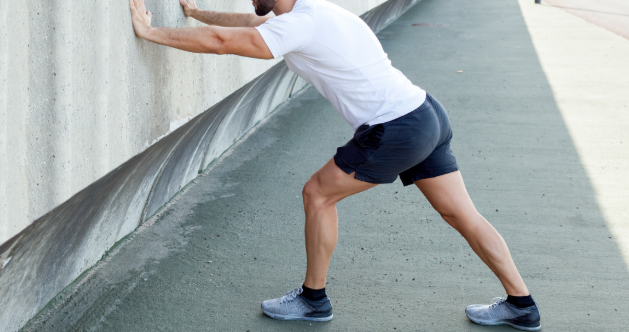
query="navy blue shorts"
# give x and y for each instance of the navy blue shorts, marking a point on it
(415, 146)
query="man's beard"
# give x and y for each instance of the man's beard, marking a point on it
(264, 7)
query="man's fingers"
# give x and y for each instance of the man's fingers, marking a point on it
(137, 5)
(140, 17)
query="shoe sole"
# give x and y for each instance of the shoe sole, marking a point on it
(289, 317)
(493, 323)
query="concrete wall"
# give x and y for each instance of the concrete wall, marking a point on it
(80, 94)
(95, 111)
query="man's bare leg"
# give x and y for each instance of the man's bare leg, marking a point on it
(448, 195)
(326, 187)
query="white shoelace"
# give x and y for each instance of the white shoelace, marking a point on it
(496, 301)
(291, 295)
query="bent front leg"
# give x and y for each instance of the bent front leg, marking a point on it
(326, 187)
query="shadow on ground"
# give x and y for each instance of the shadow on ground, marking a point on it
(234, 237)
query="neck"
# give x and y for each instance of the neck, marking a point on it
(283, 7)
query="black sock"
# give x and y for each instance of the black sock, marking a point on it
(521, 301)
(313, 294)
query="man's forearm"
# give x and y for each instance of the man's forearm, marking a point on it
(211, 39)
(242, 41)
(228, 19)
(198, 40)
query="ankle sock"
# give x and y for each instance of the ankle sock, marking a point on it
(313, 294)
(521, 301)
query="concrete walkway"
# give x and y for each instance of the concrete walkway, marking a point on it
(612, 15)
(544, 160)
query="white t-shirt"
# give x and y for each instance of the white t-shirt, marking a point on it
(336, 52)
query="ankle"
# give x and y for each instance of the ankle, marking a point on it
(313, 294)
(521, 301)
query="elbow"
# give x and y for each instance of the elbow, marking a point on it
(212, 47)
(218, 47)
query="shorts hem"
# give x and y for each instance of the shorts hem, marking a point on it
(343, 167)
(432, 173)
(359, 175)
(366, 178)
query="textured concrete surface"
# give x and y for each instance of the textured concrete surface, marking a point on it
(529, 143)
(612, 15)
(587, 69)
(80, 94)
(54, 250)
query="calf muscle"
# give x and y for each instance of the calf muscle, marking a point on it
(448, 195)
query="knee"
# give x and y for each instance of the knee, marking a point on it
(451, 219)
(459, 220)
(314, 196)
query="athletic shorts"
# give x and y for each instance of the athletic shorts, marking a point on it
(415, 146)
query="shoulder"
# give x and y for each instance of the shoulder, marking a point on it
(304, 13)
(300, 21)
(292, 31)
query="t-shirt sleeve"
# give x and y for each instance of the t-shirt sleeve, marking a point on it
(287, 33)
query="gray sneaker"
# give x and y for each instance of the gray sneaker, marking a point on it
(292, 306)
(500, 312)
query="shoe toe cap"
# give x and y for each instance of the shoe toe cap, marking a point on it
(473, 307)
(476, 311)
(270, 305)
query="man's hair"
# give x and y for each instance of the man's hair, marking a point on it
(264, 6)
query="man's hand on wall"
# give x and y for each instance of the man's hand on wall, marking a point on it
(140, 17)
(189, 7)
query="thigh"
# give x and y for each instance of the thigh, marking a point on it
(441, 160)
(333, 183)
(407, 141)
(447, 194)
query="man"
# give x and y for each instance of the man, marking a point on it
(400, 131)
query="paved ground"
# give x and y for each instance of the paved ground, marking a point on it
(612, 15)
(543, 165)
